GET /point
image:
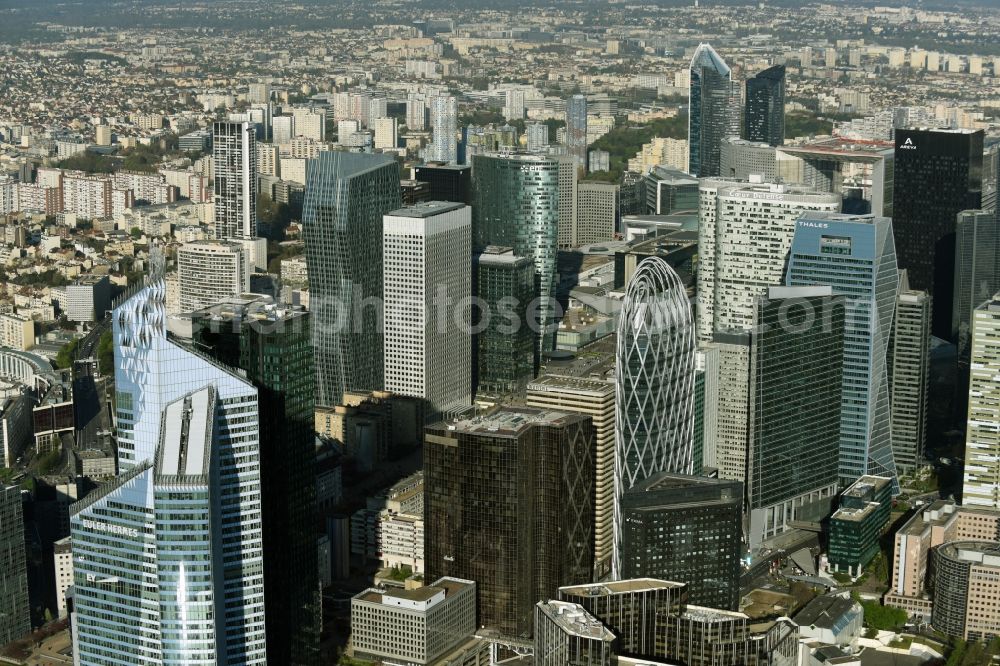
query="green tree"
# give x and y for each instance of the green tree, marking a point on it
(106, 353)
(67, 354)
(136, 233)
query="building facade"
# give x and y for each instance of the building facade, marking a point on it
(981, 483)
(977, 271)
(764, 107)
(710, 118)
(211, 271)
(576, 129)
(234, 156)
(506, 350)
(857, 525)
(444, 125)
(565, 633)
(596, 213)
(909, 377)
(966, 596)
(15, 621)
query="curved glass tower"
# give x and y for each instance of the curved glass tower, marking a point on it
(710, 118)
(654, 383)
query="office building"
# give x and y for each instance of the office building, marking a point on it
(981, 484)
(16, 411)
(857, 524)
(346, 197)
(271, 344)
(537, 137)
(710, 118)
(977, 271)
(909, 377)
(386, 136)
(744, 233)
(654, 383)
(413, 626)
(855, 255)
(444, 126)
(796, 376)
(448, 182)
(594, 398)
(187, 444)
(516, 202)
(506, 351)
(568, 181)
(234, 156)
(282, 129)
(509, 504)
(861, 172)
(576, 129)
(15, 621)
(211, 271)
(88, 299)
(741, 159)
(938, 175)
(565, 633)
(764, 107)
(596, 213)
(368, 425)
(669, 191)
(704, 447)
(936, 523)
(966, 595)
(62, 554)
(427, 252)
(688, 528)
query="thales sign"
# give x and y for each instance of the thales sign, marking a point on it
(907, 145)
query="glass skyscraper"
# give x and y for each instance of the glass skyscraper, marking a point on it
(15, 618)
(515, 203)
(764, 113)
(506, 353)
(346, 196)
(910, 376)
(855, 254)
(654, 380)
(710, 116)
(977, 270)
(168, 561)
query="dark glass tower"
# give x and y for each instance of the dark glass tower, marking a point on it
(764, 113)
(509, 503)
(346, 196)
(687, 529)
(272, 345)
(710, 116)
(938, 175)
(448, 182)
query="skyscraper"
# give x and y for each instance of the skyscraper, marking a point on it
(428, 353)
(234, 156)
(796, 373)
(346, 197)
(596, 213)
(977, 270)
(654, 382)
(690, 529)
(271, 344)
(568, 183)
(210, 271)
(508, 501)
(448, 182)
(855, 254)
(15, 620)
(938, 175)
(516, 203)
(764, 113)
(153, 586)
(909, 376)
(710, 115)
(576, 129)
(981, 486)
(444, 125)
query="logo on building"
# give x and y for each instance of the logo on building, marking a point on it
(907, 145)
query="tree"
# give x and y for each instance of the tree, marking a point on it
(136, 233)
(884, 618)
(272, 218)
(106, 353)
(67, 354)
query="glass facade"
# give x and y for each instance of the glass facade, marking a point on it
(515, 203)
(764, 110)
(507, 358)
(15, 620)
(977, 271)
(910, 377)
(710, 116)
(856, 526)
(346, 196)
(856, 256)
(654, 382)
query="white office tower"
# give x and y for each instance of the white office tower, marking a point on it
(654, 384)
(167, 560)
(427, 253)
(981, 486)
(386, 136)
(234, 155)
(444, 125)
(744, 233)
(210, 271)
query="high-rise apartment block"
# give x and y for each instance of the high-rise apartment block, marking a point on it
(211, 271)
(855, 254)
(153, 587)
(346, 197)
(654, 384)
(234, 156)
(938, 174)
(509, 504)
(764, 110)
(427, 253)
(981, 486)
(15, 621)
(576, 129)
(688, 528)
(444, 125)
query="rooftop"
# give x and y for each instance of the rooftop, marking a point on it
(510, 421)
(426, 209)
(824, 611)
(575, 620)
(620, 587)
